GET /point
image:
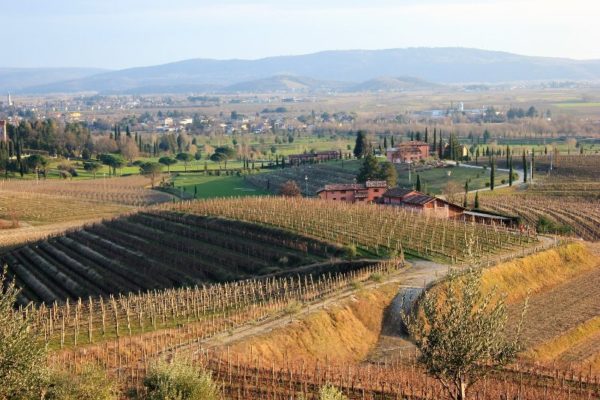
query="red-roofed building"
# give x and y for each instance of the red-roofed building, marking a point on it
(368, 192)
(417, 201)
(408, 152)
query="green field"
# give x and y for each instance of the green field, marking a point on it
(193, 185)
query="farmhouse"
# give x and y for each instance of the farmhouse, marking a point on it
(417, 201)
(408, 152)
(368, 192)
(319, 156)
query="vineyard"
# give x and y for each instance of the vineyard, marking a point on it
(153, 250)
(124, 334)
(376, 229)
(574, 204)
(151, 323)
(130, 190)
(577, 166)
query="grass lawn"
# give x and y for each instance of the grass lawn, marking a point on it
(204, 187)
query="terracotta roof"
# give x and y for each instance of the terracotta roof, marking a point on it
(354, 186)
(417, 198)
(397, 192)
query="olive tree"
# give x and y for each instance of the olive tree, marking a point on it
(22, 356)
(461, 332)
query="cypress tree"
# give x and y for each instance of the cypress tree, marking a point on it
(418, 186)
(466, 193)
(412, 136)
(510, 172)
(127, 131)
(507, 155)
(476, 203)
(532, 163)
(524, 167)
(392, 141)
(385, 146)
(434, 138)
(426, 135)
(492, 173)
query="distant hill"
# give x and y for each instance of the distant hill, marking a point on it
(17, 79)
(391, 84)
(287, 83)
(438, 65)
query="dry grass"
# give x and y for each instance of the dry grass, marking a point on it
(539, 272)
(342, 333)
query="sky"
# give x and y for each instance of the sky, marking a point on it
(117, 34)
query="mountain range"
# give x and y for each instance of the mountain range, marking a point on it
(343, 70)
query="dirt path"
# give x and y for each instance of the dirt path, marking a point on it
(416, 274)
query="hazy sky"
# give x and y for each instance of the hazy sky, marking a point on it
(127, 33)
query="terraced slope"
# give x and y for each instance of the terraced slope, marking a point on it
(154, 250)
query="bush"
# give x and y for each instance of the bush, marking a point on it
(179, 380)
(546, 225)
(91, 384)
(329, 392)
(350, 251)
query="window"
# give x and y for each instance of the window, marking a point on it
(334, 198)
(376, 190)
(343, 199)
(342, 191)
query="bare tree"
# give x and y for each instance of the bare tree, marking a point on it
(461, 332)
(452, 191)
(290, 189)
(128, 148)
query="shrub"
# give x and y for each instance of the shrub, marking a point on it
(376, 277)
(90, 384)
(179, 380)
(329, 392)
